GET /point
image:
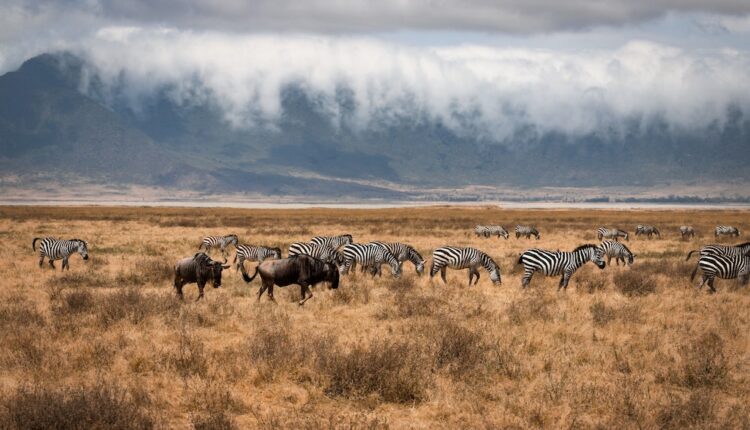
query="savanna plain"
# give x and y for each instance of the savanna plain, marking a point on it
(107, 345)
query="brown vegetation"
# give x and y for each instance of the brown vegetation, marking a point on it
(107, 344)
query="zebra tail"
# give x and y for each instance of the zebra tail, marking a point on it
(201, 246)
(249, 279)
(690, 254)
(520, 259)
(33, 243)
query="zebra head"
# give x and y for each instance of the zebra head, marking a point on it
(276, 253)
(495, 275)
(233, 239)
(597, 257)
(83, 248)
(420, 267)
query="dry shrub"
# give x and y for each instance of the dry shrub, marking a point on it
(146, 271)
(76, 279)
(213, 421)
(591, 284)
(282, 419)
(401, 284)
(696, 412)
(534, 306)
(214, 404)
(703, 362)
(634, 283)
(101, 406)
(602, 314)
(456, 348)
(395, 371)
(73, 303)
(411, 305)
(189, 357)
(18, 311)
(128, 303)
(349, 294)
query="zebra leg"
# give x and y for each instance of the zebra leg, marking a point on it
(476, 273)
(527, 274)
(609, 260)
(471, 276)
(442, 274)
(52, 264)
(65, 264)
(711, 284)
(564, 281)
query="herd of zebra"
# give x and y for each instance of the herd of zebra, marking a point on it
(725, 262)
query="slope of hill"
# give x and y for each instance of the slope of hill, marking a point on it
(49, 127)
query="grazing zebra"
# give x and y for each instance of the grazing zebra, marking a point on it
(553, 263)
(57, 249)
(528, 231)
(617, 250)
(730, 251)
(254, 253)
(334, 242)
(463, 258)
(321, 252)
(726, 230)
(647, 230)
(687, 231)
(404, 252)
(724, 267)
(221, 242)
(611, 233)
(498, 231)
(482, 230)
(369, 255)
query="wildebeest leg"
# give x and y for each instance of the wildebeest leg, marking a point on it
(442, 274)
(304, 291)
(200, 291)
(262, 288)
(178, 286)
(270, 292)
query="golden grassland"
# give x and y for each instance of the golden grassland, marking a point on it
(107, 344)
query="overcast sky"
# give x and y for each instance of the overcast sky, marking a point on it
(575, 66)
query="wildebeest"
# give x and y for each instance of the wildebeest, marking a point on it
(200, 269)
(302, 270)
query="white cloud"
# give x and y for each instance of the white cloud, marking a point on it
(498, 89)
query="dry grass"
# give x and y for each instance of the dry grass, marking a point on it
(633, 347)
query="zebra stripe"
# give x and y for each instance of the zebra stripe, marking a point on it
(723, 267)
(321, 252)
(687, 231)
(481, 230)
(528, 231)
(58, 249)
(254, 253)
(463, 258)
(221, 242)
(726, 230)
(369, 255)
(611, 233)
(647, 230)
(334, 242)
(619, 251)
(404, 252)
(554, 263)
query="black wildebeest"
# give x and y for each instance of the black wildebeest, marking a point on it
(302, 270)
(200, 269)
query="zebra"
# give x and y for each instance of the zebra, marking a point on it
(463, 258)
(497, 230)
(221, 242)
(254, 253)
(321, 252)
(369, 255)
(404, 252)
(724, 267)
(648, 230)
(482, 230)
(617, 250)
(729, 251)
(58, 249)
(528, 231)
(611, 233)
(334, 242)
(726, 230)
(553, 263)
(687, 231)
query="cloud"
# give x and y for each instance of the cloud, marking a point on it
(482, 91)
(358, 16)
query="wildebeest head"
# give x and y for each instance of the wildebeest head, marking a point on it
(83, 248)
(211, 268)
(332, 274)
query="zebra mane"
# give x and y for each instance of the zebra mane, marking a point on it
(585, 246)
(742, 245)
(487, 261)
(413, 252)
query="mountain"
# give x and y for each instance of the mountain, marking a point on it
(51, 128)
